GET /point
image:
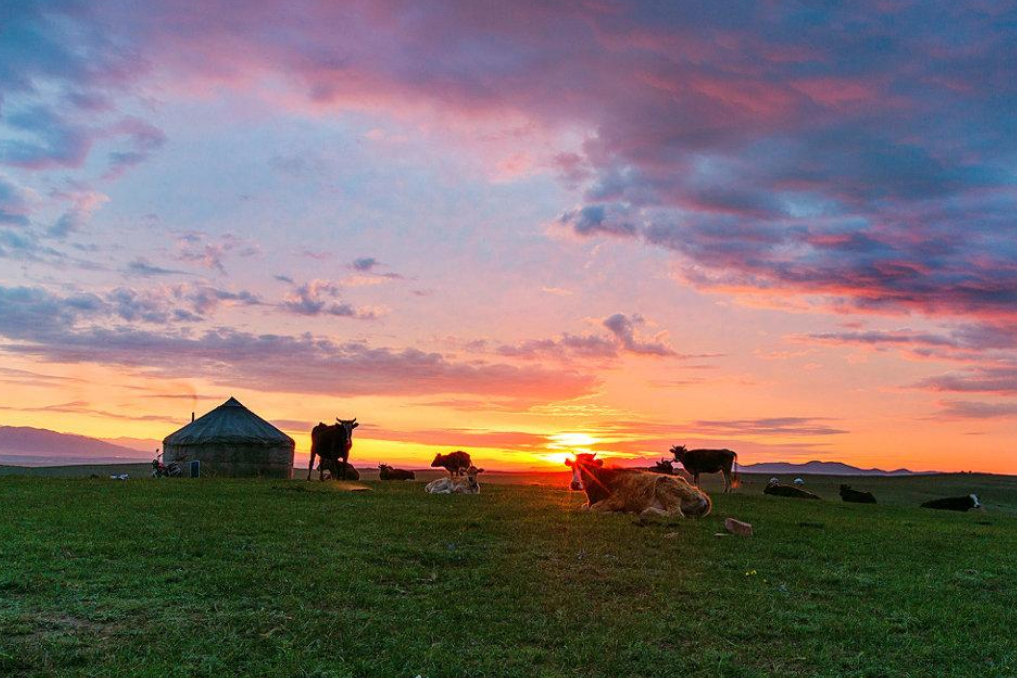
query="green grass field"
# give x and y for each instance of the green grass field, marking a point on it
(220, 577)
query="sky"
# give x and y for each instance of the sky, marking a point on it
(518, 228)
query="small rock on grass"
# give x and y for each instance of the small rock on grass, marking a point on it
(738, 527)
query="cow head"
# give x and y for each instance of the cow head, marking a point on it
(975, 504)
(581, 460)
(438, 458)
(347, 425)
(471, 479)
(679, 453)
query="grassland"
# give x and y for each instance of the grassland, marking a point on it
(219, 577)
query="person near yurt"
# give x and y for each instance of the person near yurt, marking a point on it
(231, 441)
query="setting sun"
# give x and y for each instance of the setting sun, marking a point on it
(566, 445)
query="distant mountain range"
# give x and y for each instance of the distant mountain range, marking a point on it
(826, 468)
(27, 446)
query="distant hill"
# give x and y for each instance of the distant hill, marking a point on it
(141, 444)
(826, 468)
(27, 446)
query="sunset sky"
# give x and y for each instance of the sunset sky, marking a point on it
(517, 228)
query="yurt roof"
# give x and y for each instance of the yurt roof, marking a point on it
(230, 423)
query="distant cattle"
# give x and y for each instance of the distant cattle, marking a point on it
(965, 503)
(332, 442)
(775, 488)
(455, 463)
(856, 497)
(708, 461)
(635, 491)
(334, 469)
(386, 472)
(467, 484)
(665, 466)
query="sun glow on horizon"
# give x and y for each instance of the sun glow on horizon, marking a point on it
(568, 444)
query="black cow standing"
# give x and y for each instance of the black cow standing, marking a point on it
(708, 461)
(332, 443)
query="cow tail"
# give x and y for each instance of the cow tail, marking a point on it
(734, 479)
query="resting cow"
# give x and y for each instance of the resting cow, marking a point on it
(954, 503)
(665, 466)
(708, 461)
(455, 463)
(386, 472)
(465, 485)
(854, 496)
(775, 488)
(336, 469)
(635, 491)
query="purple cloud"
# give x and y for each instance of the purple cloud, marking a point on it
(621, 339)
(624, 329)
(142, 267)
(365, 264)
(997, 379)
(320, 297)
(967, 409)
(76, 329)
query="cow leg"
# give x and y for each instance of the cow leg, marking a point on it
(345, 467)
(695, 479)
(310, 466)
(727, 481)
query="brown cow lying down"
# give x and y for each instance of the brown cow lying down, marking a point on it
(775, 488)
(467, 485)
(636, 491)
(386, 472)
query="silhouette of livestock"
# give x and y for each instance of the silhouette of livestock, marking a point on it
(455, 463)
(386, 472)
(775, 488)
(965, 503)
(636, 491)
(855, 496)
(334, 469)
(665, 466)
(332, 442)
(708, 461)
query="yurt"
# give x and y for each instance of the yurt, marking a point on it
(232, 441)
